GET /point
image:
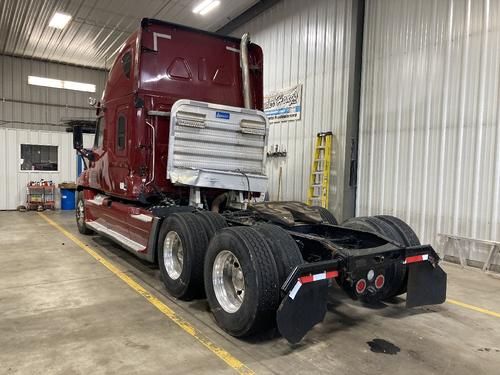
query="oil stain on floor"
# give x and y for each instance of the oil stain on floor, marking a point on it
(383, 346)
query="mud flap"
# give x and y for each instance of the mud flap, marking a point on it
(301, 310)
(426, 285)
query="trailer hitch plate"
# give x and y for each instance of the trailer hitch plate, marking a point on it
(302, 309)
(426, 284)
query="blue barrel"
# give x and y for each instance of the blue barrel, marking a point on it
(67, 199)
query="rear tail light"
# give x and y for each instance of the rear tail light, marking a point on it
(379, 281)
(360, 286)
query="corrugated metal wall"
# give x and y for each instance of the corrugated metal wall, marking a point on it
(430, 125)
(34, 107)
(13, 181)
(28, 114)
(306, 42)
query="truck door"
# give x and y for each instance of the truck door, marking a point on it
(119, 167)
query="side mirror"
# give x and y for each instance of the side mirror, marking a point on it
(77, 137)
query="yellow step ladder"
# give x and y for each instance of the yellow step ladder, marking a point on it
(319, 182)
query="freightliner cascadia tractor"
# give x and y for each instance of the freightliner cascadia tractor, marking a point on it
(174, 176)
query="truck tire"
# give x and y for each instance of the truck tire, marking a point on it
(80, 215)
(241, 281)
(285, 251)
(396, 275)
(326, 215)
(407, 234)
(409, 238)
(182, 243)
(211, 221)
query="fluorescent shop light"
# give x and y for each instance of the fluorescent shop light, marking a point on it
(59, 20)
(205, 6)
(202, 5)
(78, 86)
(47, 82)
(209, 7)
(59, 84)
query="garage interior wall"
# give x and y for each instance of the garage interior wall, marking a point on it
(308, 43)
(429, 122)
(33, 114)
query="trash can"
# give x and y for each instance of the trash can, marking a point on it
(67, 199)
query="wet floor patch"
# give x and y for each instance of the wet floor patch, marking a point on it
(383, 346)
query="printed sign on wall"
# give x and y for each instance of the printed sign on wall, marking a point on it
(284, 105)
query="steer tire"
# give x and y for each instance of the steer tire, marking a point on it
(257, 310)
(211, 221)
(397, 274)
(80, 220)
(189, 283)
(284, 248)
(326, 215)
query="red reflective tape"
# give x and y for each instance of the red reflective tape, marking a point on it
(414, 259)
(332, 274)
(306, 279)
(318, 277)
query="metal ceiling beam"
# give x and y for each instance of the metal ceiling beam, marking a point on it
(247, 16)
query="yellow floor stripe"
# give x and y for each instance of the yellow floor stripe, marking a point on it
(186, 326)
(472, 307)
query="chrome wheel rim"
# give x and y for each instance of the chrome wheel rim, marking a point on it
(173, 255)
(228, 281)
(80, 213)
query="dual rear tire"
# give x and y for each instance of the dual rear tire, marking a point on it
(239, 269)
(399, 232)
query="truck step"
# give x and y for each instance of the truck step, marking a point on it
(118, 237)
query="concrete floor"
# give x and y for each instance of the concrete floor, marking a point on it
(62, 312)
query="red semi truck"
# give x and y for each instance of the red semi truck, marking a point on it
(174, 175)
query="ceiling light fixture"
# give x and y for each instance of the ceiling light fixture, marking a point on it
(209, 7)
(59, 84)
(205, 6)
(59, 20)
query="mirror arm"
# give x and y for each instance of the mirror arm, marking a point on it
(87, 154)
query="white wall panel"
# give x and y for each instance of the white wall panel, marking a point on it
(28, 114)
(43, 108)
(13, 181)
(306, 42)
(430, 124)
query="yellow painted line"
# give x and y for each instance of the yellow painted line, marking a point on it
(472, 307)
(185, 325)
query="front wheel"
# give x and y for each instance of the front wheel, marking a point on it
(241, 281)
(80, 215)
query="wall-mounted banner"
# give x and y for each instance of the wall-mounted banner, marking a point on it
(284, 105)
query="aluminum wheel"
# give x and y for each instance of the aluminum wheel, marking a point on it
(173, 255)
(80, 213)
(228, 281)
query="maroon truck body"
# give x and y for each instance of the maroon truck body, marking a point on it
(180, 130)
(157, 65)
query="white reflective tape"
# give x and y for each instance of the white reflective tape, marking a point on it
(295, 289)
(319, 276)
(425, 257)
(155, 39)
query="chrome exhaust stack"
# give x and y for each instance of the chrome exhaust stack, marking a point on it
(245, 70)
